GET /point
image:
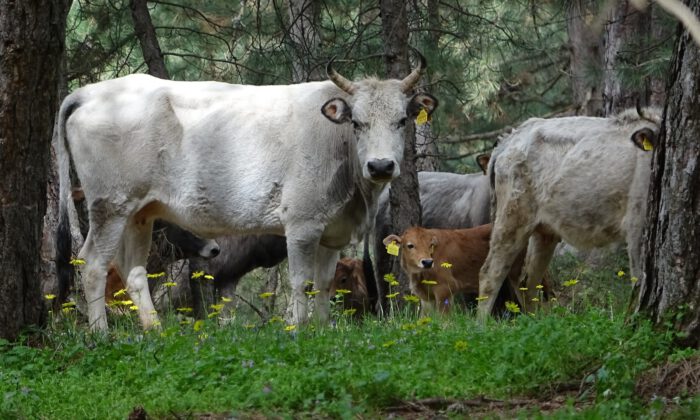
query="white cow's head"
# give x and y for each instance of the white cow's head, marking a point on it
(378, 111)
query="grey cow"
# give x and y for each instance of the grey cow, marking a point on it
(307, 161)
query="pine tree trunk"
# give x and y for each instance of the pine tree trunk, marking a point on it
(31, 48)
(585, 58)
(426, 140)
(303, 18)
(670, 289)
(403, 198)
(146, 33)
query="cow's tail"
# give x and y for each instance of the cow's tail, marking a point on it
(64, 269)
(368, 271)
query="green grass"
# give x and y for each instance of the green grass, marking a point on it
(326, 371)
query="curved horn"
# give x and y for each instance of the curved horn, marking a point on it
(338, 79)
(410, 81)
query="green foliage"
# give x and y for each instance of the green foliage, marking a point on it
(339, 371)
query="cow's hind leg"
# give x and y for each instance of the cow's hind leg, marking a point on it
(506, 244)
(539, 253)
(131, 260)
(99, 249)
(326, 260)
(302, 245)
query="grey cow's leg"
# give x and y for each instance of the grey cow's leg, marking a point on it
(539, 253)
(326, 260)
(302, 245)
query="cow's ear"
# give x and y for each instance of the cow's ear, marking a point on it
(391, 238)
(645, 139)
(337, 110)
(483, 162)
(421, 101)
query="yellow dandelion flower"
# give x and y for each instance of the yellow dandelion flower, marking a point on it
(446, 265)
(429, 282)
(155, 275)
(553, 299)
(392, 295)
(266, 295)
(213, 314)
(275, 319)
(389, 344)
(225, 299)
(217, 307)
(569, 283)
(523, 288)
(424, 321)
(460, 345)
(634, 279)
(343, 291)
(77, 261)
(290, 328)
(539, 286)
(248, 326)
(480, 298)
(408, 327)
(620, 273)
(153, 312)
(70, 304)
(393, 283)
(197, 274)
(512, 307)
(209, 277)
(134, 308)
(389, 277)
(169, 284)
(67, 310)
(411, 298)
(185, 310)
(313, 292)
(156, 323)
(120, 292)
(203, 336)
(126, 302)
(535, 299)
(198, 324)
(186, 321)
(49, 297)
(309, 282)
(350, 311)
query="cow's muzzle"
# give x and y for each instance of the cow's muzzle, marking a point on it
(210, 251)
(426, 262)
(381, 169)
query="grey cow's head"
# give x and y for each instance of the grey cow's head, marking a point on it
(378, 111)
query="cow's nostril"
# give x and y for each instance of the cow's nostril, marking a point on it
(381, 168)
(215, 251)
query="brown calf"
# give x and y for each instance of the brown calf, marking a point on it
(451, 258)
(350, 276)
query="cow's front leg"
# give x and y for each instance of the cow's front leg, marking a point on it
(326, 260)
(302, 245)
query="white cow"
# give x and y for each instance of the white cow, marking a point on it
(220, 159)
(580, 179)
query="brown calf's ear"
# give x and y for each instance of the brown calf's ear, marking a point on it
(337, 110)
(645, 139)
(421, 101)
(483, 162)
(391, 238)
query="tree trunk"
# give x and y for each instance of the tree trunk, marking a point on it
(303, 19)
(626, 34)
(585, 58)
(403, 198)
(670, 289)
(31, 47)
(146, 33)
(426, 141)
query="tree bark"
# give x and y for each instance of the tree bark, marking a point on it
(627, 38)
(31, 48)
(403, 197)
(670, 289)
(586, 59)
(146, 33)
(426, 141)
(303, 20)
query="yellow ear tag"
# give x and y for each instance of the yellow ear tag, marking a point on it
(422, 117)
(392, 249)
(646, 144)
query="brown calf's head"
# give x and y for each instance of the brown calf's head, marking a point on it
(417, 248)
(349, 276)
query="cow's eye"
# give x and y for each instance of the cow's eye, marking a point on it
(402, 122)
(409, 246)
